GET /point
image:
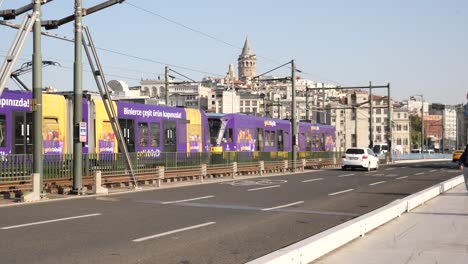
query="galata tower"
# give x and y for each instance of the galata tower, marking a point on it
(247, 62)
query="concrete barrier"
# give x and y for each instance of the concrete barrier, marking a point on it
(310, 249)
(97, 188)
(35, 195)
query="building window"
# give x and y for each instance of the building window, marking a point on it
(254, 103)
(247, 103)
(241, 103)
(398, 141)
(378, 120)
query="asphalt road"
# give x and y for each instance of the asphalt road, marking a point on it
(225, 222)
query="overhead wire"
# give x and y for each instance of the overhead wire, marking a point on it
(213, 37)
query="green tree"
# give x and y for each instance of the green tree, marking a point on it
(415, 122)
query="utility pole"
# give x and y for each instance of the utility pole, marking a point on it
(166, 85)
(78, 106)
(389, 124)
(37, 95)
(307, 104)
(371, 120)
(293, 111)
(423, 141)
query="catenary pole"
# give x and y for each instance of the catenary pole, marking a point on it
(293, 112)
(37, 95)
(389, 125)
(78, 106)
(371, 120)
(166, 85)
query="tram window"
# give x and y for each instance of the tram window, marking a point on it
(155, 134)
(215, 125)
(143, 134)
(50, 128)
(228, 135)
(2, 131)
(267, 138)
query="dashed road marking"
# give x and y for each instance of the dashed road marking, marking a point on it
(389, 169)
(50, 221)
(403, 177)
(335, 193)
(281, 206)
(173, 232)
(346, 175)
(311, 180)
(188, 200)
(262, 188)
(375, 183)
(392, 175)
(432, 170)
(419, 173)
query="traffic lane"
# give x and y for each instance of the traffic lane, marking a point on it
(111, 235)
(116, 227)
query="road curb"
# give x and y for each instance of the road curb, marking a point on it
(312, 248)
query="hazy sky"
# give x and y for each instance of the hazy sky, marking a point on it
(419, 46)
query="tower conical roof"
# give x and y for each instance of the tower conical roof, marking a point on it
(247, 50)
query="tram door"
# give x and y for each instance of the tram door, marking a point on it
(170, 136)
(259, 142)
(128, 130)
(280, 140)
(22, 133)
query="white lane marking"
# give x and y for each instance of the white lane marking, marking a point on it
(346, 175)
(335, 193)
(262, 188)
(392, 175)
(420, 173)
(173, 231)
(311, 180)
(390, 169)
(281, 206)
(432, 170)
(404, 177)
(50, 221)
(402, 167)
(188, 200)
(375, 183)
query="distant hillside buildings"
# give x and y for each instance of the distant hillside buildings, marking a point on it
(348, 110)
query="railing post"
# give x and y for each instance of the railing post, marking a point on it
(303, 164)
(35, 195)
(234, 170)
(262, 167)
(97, 188)
(203, 172)
(285, 166)
(160, 176)
(334, 161)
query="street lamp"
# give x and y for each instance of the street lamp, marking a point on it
(422, 119)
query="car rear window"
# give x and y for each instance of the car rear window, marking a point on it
(355, 151)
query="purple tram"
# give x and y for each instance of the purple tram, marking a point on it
(316, 137)
(244, 133)
(155, 129)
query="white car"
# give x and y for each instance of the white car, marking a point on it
(360, 158)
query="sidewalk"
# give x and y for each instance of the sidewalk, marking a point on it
(436, 232)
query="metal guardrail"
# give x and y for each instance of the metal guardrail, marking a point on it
(149, 168)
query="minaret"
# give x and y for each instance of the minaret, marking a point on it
(247, 62)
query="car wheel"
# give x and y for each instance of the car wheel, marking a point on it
(343, 168)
